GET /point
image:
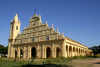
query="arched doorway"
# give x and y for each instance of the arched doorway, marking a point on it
(21, 53)
(48, 52)
(57, 52)
(33, 52)
(74, 51)
(70, 51)
(15, 53)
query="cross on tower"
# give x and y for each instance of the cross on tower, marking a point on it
(35, 10)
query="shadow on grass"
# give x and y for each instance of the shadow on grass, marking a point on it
(97, 63)
(45, 65)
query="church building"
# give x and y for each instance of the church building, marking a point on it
(38, 40)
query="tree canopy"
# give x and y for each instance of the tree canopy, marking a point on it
(3, 49)
(95, 49)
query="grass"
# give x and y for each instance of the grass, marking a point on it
(5, 62)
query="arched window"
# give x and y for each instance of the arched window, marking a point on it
(16, 27)
(47, 38)
(12, 28)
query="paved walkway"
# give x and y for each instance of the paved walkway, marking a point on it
(87, 63)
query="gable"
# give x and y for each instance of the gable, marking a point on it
(38, 31)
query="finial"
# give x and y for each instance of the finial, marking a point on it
(39, 16)
(35, 15)
(46, 22)
(57, 29)
(16, 18)
(11, 20)
(52, 26)
(63, 34)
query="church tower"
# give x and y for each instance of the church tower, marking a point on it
(14, 32)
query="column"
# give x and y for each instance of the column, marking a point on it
(30, 51)
(18, 52)
(38, 51)
(52, 47)
(24, 52)
(9, 50)
(75, 52)
(63, 50)
(55, 52)
(68, 51)
(72, 51)
(81, 52)
(43, 53)
(12, 52)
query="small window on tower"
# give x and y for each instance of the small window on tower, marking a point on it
(12, 27)
(16, 27)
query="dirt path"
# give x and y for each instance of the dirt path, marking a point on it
(87, 63)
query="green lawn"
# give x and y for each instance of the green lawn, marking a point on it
(5, 62)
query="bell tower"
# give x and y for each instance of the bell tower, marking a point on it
(14, 31)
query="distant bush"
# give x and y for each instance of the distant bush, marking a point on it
(49, 62)
(75, 57)
(14, 60)
(22, 61)
(81, 57)
(98, 55)
(69, 58)
(1, 59)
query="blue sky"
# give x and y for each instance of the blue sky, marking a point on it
(77, 19)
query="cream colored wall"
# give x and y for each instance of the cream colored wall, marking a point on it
(75, 45)
(40, 31)
(40, 49)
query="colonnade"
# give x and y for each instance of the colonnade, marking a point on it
(46, 52)
(74, 51)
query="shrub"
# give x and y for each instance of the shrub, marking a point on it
(14, 60)
(49, 61)
(32, 60)
(22, 61)
(1, 59)
(98, 55)
(62, 59)
(75, 57)
(81, 57)
(69, 58)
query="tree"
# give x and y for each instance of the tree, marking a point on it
(3, 49)
(95, 49)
